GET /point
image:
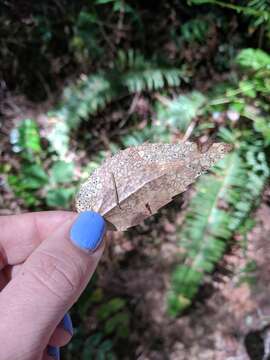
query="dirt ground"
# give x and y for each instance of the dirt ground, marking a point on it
(230, 318)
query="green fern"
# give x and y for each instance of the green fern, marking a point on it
(153, 132)
(177, 115)
(259, 9)
(195, 30)
(85, 98)
(179, 112)
(131, 73)
(227, 197)
(263, 9)
(253, 59)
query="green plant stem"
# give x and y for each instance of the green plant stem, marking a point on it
(243, 9)
(226, 100)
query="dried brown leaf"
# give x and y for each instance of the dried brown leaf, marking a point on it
(136, 182)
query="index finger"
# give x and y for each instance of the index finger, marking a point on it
(21, 234)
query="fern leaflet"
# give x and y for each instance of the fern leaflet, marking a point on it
(223, 201)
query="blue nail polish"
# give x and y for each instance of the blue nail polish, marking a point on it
(54, 352)
(66, 324)
(88, 230)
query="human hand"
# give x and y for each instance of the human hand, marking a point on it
(46, 261)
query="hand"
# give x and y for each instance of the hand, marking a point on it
(46, 260)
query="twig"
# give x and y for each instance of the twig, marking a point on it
(189, 130)
(45, 85)
(228, 99)
(120, 23)
(131, 109)
(105, 140)
(261, 35)
(107, 40)
(165, 101)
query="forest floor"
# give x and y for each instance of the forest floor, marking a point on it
(231, 315)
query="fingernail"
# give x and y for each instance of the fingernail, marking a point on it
(88, 230)
(54, 352)
(66, 324)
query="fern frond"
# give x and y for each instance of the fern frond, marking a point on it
(85, 98)
(179, 112)
(131, 73)
(138, 74)
(150, 79)
(263, 8)
(223, 201)
(253, 59)
(256, 8)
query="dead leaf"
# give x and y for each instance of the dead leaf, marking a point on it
(136, 182)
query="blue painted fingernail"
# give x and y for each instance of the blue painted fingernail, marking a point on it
(88, 230)
(54, 352)
(66, 324)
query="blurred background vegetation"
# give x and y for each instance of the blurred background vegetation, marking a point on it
(80, 80)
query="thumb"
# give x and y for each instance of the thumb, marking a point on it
(48, 284)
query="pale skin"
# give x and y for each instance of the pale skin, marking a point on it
(42, 274)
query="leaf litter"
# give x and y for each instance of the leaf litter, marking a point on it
(136, 182)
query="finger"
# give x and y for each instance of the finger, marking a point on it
(3, 280)
(7, 274)
(60, 338)
(50, 281)
(11, 271)
(21, 234)
(63, 333)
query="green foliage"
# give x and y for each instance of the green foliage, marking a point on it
(31, 178)
(26, 139)
(109, 308)
(256, 8)
(97, 348)
(179, 112)
(257, 80)
(247, 273)
(262, 9)
(33, 183)
(229, 195)
(59, 137)
(154, 132)
(59, 190)
(112, 325)
(60, 198)
(195, 30)
(254, 59)
(257, 11)
(26, 142)
(262, 125)
(174, 116)
(29, 139)
(115, 318)
(130, 73)
(86, 48)
(62, 172)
